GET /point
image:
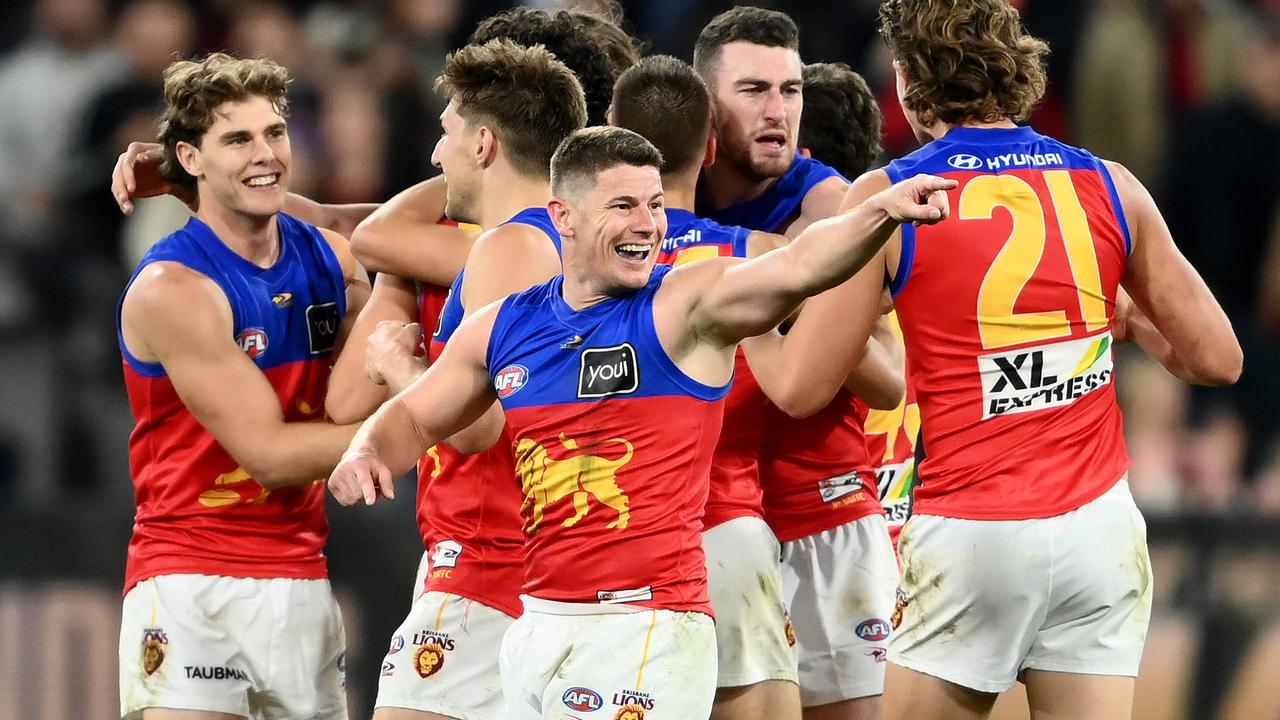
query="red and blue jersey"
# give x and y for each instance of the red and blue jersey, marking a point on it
(613, 445)
(198, 510)
(469, 505)
(816, 472)
(1005, 310)
(776, 207)
(735, 466)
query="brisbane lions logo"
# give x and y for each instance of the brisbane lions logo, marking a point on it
(630, 712)
(546, 480)
(154, 642)
(429, 659)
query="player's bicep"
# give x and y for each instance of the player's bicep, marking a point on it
(1171, 293)
(405, 237)
(185, 322)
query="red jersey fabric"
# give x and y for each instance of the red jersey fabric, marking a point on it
(198, 510)
(735, 466)
(613, 446)
(1005, 309)
(815, 470)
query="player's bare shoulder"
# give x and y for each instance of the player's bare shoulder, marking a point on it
(166, 303)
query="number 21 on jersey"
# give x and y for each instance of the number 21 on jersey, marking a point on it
(999, 325)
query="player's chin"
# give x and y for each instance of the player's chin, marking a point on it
(772, 164)
(629, 276)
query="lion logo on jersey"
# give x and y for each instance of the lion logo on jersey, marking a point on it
(546, 480)
(154, 642)
(428, 660)
(630, 712)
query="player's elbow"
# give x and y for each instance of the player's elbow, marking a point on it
(366, 244)
(1221, 367)
(884, 395)
(271, 473)
(800, 400)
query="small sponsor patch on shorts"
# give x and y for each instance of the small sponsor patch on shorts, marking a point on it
(611, 597)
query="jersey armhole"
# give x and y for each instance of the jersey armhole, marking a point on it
(905, 259)
(1116, 207)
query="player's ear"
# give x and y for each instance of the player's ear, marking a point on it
(709, 152)
(486, 147)
(189, 158)
(804, 153)
(560, 211)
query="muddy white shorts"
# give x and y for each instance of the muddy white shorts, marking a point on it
(260, 648)
(444, 659)
(744, 579)
(981, 600)
(640, 665)
(839, 587)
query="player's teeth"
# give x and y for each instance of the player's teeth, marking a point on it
(264, 180)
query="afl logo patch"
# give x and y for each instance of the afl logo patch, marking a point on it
(253, 342)
(510, 379)
(964, 161)
(582, 699)
(873, 630)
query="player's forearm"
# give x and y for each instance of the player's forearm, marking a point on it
(481, 434)
(394, 436)
(341, 219)
(877, 378)
(830, 251)
(296, 453)
(782, 379)
(426, 251)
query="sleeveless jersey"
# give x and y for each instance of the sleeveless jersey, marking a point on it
(198, 510)
(431, 300)
(735, 466)
(469, 505)
(891, 446)
(613, 448)
(776, 207)
(815, 471)
(1006, 311)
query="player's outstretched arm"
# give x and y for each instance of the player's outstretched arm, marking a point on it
(451, 395)
(404, 236)
(181, 319)
(137, 175)
(353, 394)
(830, 344)
(747, 299)
(1168, 290)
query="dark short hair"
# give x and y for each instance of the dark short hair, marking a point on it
(530, 98)
(194, 89)
(968, 61)
(665, 101)
(744, 23)
(588, 152)
(841, 123)
(568, 40)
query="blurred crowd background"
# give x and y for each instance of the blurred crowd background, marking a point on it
(1186, 93)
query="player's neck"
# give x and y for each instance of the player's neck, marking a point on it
(680, 189)
(724, 185)
(507, 192)
(939, 128)
(255, 239)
